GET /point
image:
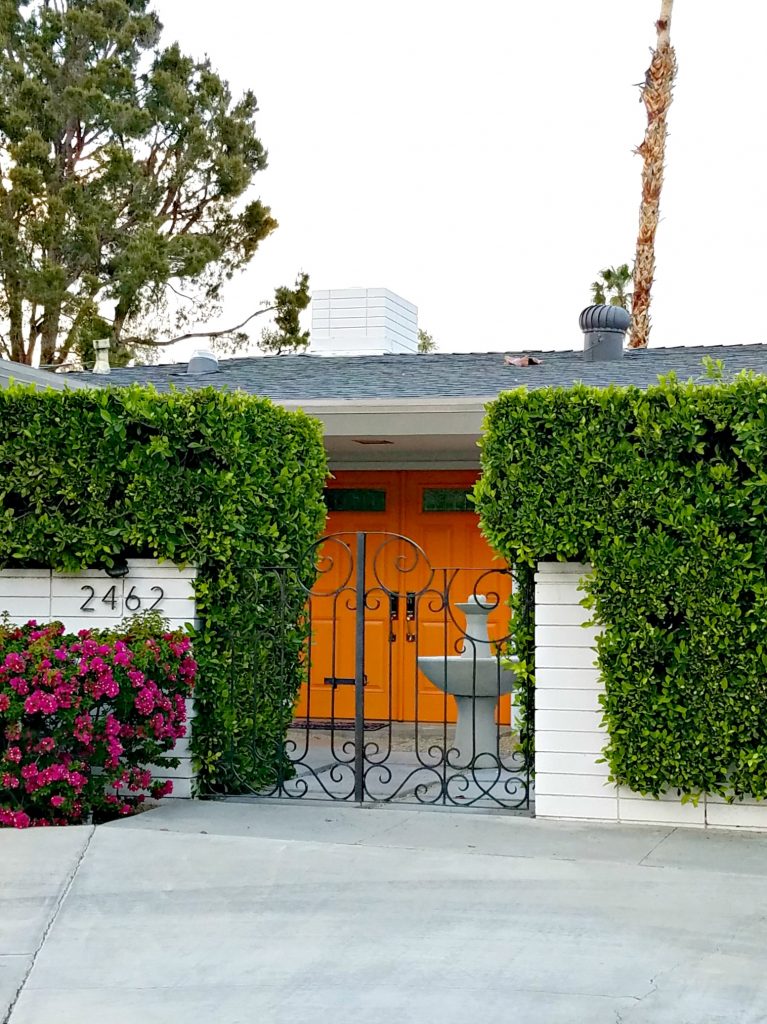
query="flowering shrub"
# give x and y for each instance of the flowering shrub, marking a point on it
(81, 716)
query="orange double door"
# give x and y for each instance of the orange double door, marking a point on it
(406, 613)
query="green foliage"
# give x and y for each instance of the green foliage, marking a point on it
(522, 646)
(664, 492)
(125, 168)
(610, 287)
(286, 335)
(225, 482)
(426, 342)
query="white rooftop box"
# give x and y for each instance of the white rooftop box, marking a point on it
(362, 321)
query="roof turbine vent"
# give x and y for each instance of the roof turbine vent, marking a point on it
(604, 331)
(202, 361)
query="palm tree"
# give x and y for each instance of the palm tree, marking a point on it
(610, 287)
(656, 96)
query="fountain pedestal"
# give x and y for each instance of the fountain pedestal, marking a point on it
(476, 679)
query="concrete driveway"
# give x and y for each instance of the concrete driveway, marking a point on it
(282, 913)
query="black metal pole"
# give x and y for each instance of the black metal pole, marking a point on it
(359, 675)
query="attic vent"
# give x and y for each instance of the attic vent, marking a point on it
(604, 329)
(202, 361)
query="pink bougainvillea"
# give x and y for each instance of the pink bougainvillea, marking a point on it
(81, 716)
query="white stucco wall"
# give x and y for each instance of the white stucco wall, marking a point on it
(569, 781)
(45, 596)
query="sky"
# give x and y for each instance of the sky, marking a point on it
(477, 157)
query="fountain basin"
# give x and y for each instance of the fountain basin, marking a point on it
(468, 677)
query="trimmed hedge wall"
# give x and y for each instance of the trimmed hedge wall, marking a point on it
(225, 482)
(664, 491)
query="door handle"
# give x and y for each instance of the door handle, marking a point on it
(410, 616)
(393, 616)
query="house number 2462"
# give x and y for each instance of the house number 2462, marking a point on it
(133, 602)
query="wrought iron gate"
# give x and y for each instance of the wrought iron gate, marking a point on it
(408, 693)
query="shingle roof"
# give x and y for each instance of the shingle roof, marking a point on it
(21, 374)
(441, 374)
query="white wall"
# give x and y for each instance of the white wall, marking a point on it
(569, 780)
(46, 596)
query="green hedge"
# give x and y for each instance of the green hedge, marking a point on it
(225, 482)
(664, 491)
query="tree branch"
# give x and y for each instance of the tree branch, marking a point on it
(189, 298)
(199, 334)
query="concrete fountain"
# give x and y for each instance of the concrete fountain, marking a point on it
(476, 680)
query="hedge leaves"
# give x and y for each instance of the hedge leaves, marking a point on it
(664, 492)
(225, 482)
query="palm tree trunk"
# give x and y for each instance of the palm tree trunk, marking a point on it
(656, 96)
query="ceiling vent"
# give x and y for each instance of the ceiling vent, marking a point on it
(202, 361)
(604, 331)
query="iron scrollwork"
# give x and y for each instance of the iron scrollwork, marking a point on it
(381, 615)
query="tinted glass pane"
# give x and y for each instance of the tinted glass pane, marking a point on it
(450, 499)
(355, 499)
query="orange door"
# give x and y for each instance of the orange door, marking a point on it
(366, 502)
(431, 509)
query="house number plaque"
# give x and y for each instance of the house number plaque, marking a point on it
(134, 601)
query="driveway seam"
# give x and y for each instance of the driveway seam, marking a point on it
(46, 931)
(652, 851)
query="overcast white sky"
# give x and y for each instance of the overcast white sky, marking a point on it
(475, 156)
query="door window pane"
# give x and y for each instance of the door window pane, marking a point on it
(448, 499)
(355, 499)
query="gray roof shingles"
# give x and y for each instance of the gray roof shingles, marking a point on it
(438, 375)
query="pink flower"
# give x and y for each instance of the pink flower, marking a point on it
(144, 701)
(15, 819)
(141, 778)
(73, 695)
(115, 749)
(14, 662)
(113, 726)
(188, 668)
(136, 677)
(161, 789)
(83, 728)
(77, 780)
(46, 703)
